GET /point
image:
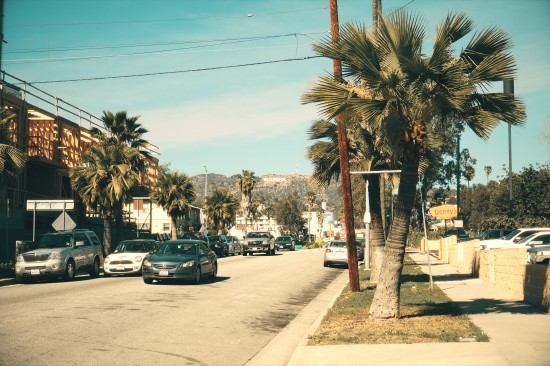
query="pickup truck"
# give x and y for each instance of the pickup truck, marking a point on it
(259, 242)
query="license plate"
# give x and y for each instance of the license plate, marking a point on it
(35, 271)
(163, 272)
(120, 268)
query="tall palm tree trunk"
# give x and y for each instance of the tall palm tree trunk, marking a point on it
(107, 235)
(377, 237)
(385, 303)
(174, 229)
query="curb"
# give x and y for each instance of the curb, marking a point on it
(7, 281)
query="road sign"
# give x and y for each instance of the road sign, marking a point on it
(63, 222)
(50, 205)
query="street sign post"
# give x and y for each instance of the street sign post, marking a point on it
(50, 205)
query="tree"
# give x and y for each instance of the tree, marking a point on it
(12, 160)
(174, 192)
(399, 91)
(103, 179)
(122, 129)
(288, 213)
(246, 183)
(221, 210)
(488, 170)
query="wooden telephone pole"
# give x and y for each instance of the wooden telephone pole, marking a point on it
(344, 166)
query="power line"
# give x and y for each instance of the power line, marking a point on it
(154, 44)
(163, 20)
(175, 72)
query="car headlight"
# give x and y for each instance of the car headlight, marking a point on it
(146, 263)
(56, 255)
(19, 258)
(138, 259)
(107, 260)
(187, 264)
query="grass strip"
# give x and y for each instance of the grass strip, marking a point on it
(426, 316)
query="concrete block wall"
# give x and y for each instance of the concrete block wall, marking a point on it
(463, 256)
(537, 285)
(506, 269)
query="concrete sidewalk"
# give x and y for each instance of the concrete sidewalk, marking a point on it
(519, 333)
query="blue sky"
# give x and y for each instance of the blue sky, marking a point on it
(230, 119)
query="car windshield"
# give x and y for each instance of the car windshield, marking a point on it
(527, 238)
(338, 244)
(214, 238)
(257, 235)
(55, 241)
(511, 235)
(178, 249)
(132, 246)
(283, 238)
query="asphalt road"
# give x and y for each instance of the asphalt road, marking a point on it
(122, 321)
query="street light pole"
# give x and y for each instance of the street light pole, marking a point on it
(205, 193)
(508, 88)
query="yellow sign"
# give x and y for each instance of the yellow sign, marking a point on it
(444, 212)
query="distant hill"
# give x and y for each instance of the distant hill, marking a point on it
(270, 187)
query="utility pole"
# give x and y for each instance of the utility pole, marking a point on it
(344, 165)
(508, 88)
(1, 30)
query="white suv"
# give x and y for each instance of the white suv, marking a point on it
(62, 254)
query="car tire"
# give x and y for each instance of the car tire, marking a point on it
(106, 274)
(70, 271)
(148, 280)
(94, 272)
(214, 271)
(198, 276)
(244, 254)
(250, 254)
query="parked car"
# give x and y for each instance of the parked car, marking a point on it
(62, 254)
(511, 239)
(491, 234)
(219, 244)
(259, 242)
(336, 253)
(285, 242)
(539, 254)
(182, 259)
(234, 245)
(128, 256)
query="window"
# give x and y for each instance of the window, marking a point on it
(166, 226)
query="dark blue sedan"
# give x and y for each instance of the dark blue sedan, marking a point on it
(182, 259)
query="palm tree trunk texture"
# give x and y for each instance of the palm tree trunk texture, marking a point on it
(174, 228)
(106, 235)
(385, 303)
(119, 222)
(377, 237)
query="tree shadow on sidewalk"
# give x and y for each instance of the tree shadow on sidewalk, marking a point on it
(482, 306)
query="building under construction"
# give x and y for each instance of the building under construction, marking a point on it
(54, 134)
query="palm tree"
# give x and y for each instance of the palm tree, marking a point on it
(221, 210)
(174, 192)
(369, 153)
(488, 170)
(399, 91)
(103, 179)
(246, 183)
(122, 128)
